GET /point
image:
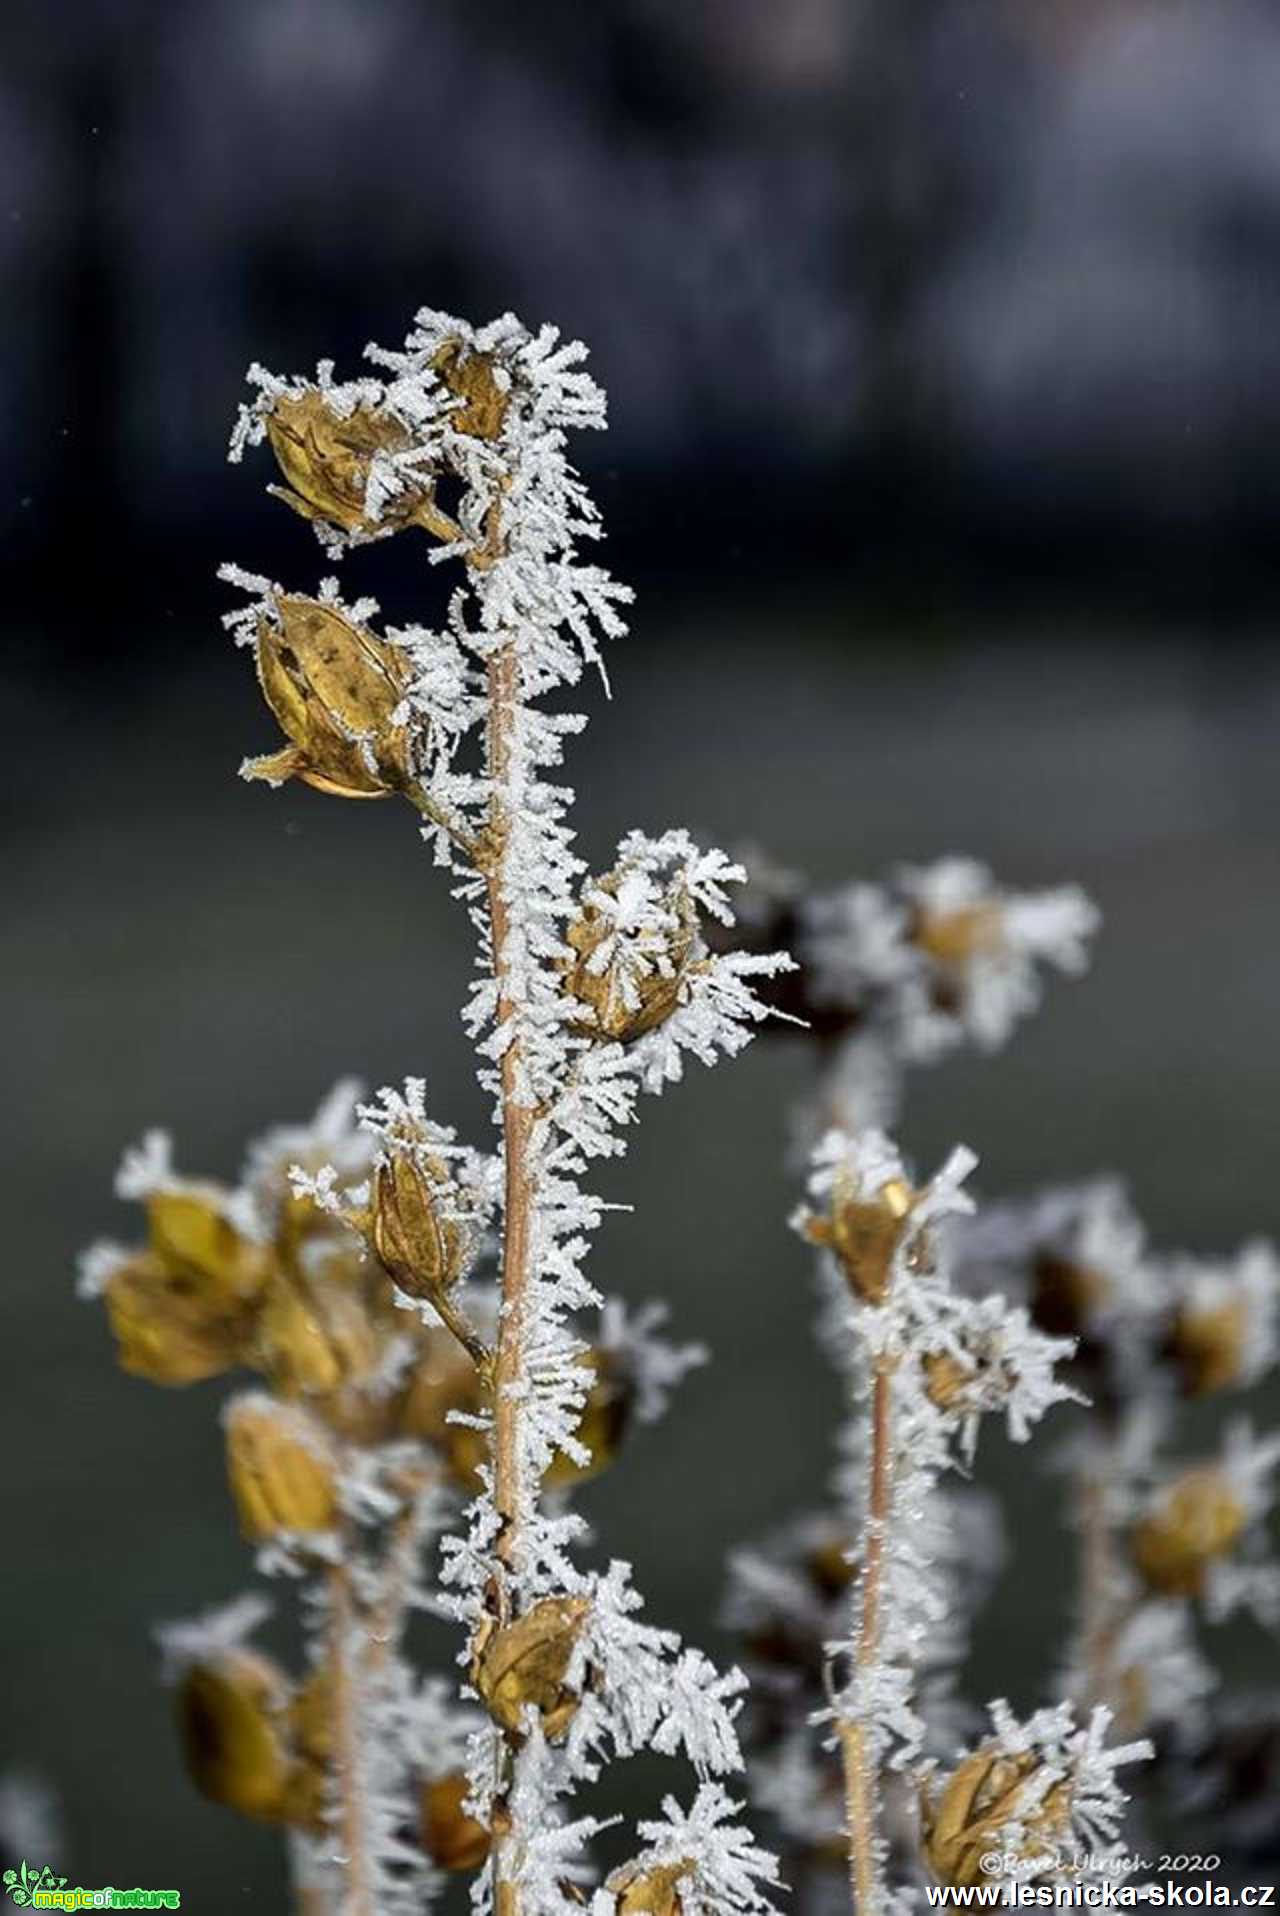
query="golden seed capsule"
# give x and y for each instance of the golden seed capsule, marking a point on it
(602, 1426)
(191, 1233)
(524, 1663)
(472, 377)
(966, 1817)
(334, 688)
(865, 1233)
(452, 1839)
(313, 1337)
(424, 1250)
(953, 938)
(649, 1891)
(948, 1380)
(230, 1719)
(636, 991)
(325, 459)
(280, 1468)
(1198, 1519)
(1208, 1346)
(166, 1328)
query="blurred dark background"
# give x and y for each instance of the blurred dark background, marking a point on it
(942, 341)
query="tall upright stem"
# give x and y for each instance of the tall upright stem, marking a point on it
(856, 1751)
(349, 1731)
(518, 1119)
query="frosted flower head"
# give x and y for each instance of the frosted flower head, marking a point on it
(983, 944)
(1199, 1517)
(874, 1221)
(1223, 1330)
(1032, 1788)
(696, 1862)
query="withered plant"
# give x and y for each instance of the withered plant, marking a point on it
(864, 1750)
(432, 1361)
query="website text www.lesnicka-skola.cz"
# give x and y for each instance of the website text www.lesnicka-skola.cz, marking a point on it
(1104, 1894)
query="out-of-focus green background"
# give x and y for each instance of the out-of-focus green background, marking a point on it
(940, 347)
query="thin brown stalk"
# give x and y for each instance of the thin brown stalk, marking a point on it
(355, 1860)
(857, 1756)
(518, 1120)
(1099, 1621)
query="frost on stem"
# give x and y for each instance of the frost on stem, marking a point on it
(925, 1363)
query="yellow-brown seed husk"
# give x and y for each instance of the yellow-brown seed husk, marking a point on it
(422, 1248)
(452, 1839)
(167, 1329)
(953, 938)
(311, 1337)
(195, 1239)
(523, 1664)
(280, 1468)
(334, 688)
(472, 377)
(230, 1719)
(1208, 1346)
(622, 1004)
(325, 459)
(948, 1380)
(1197, 1520)
(650, 1891)
(602, 1426)
(966, 1817)
(865, 1233)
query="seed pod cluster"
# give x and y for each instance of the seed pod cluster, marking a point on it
(183, 1308)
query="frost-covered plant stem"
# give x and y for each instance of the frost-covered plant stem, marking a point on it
(519, 1184)
(861, 1779)
(355, 1847)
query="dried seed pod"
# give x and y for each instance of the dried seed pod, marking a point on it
(523, 1664)
(325, 458)
(1197, 1520)
(1208, 1346)
(475, 379)
(606, 1415)
(166, 1328)
(453, 1839)
(280, 1467)
(954, 938)
(423, 1248)
(335, 689)
(650, 1889)
(1066, 1296)
(987, 1791)
(628, 981)
(231, 1711)
(193, 1236)
(311, 1337)
(865, 1234)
